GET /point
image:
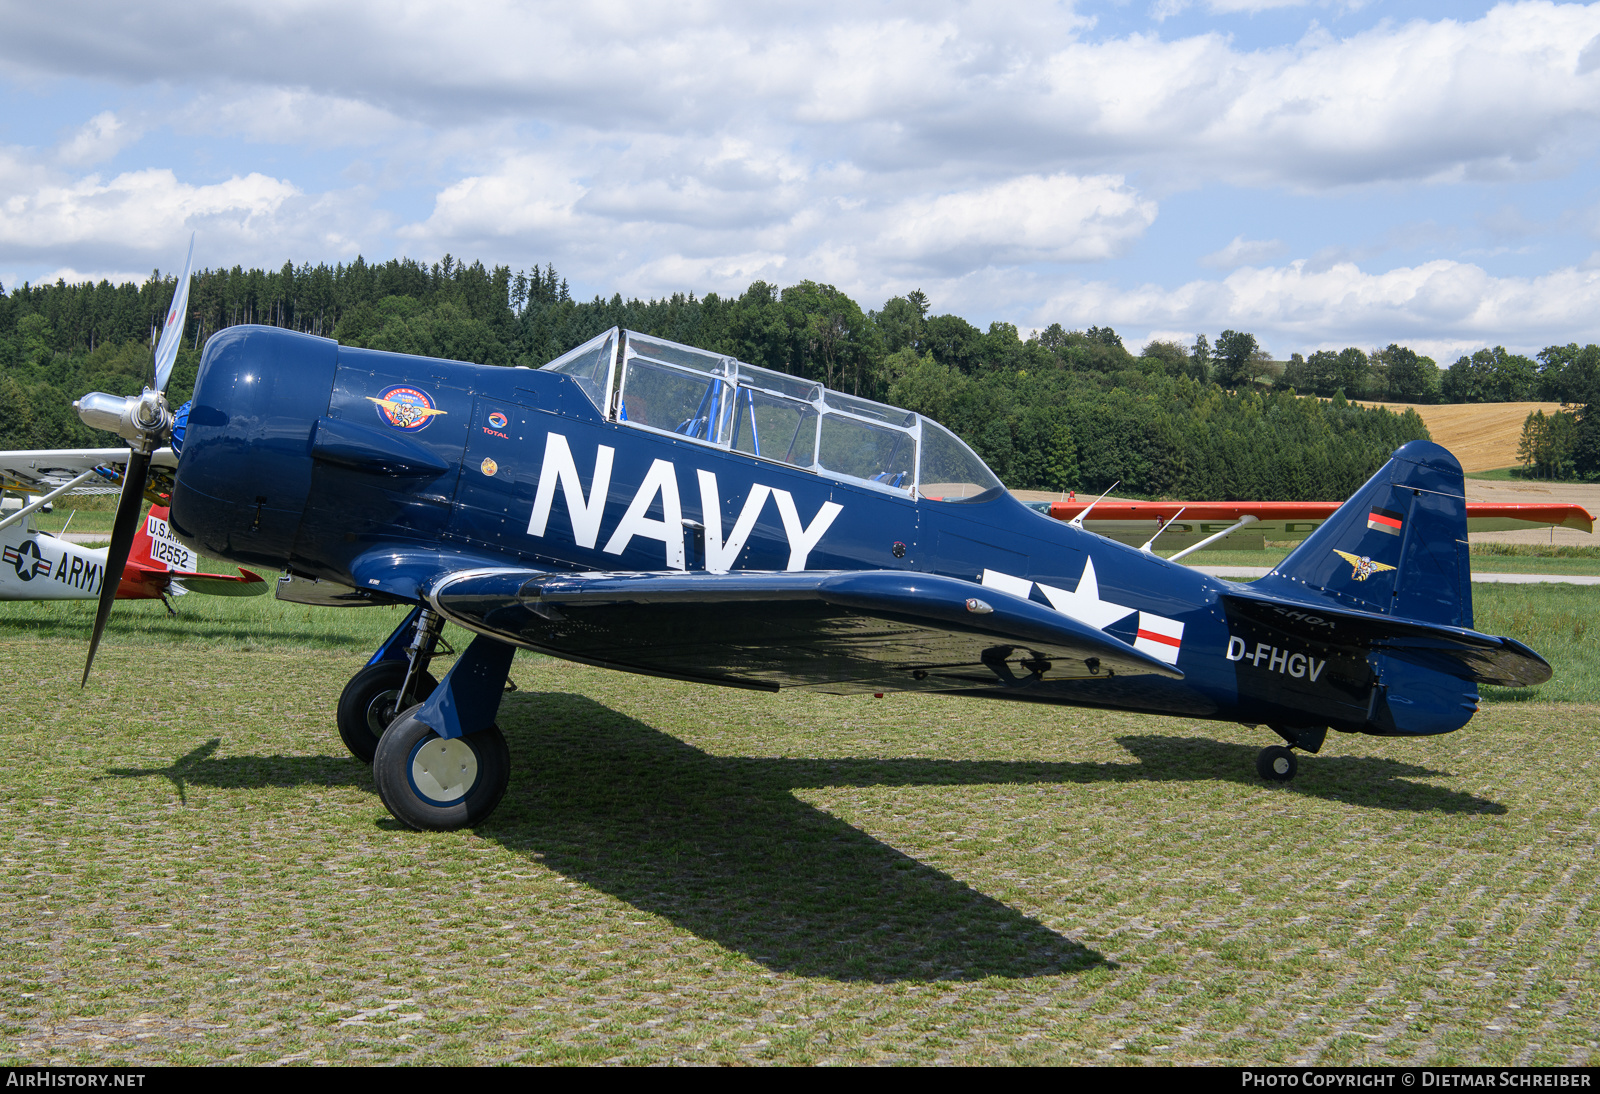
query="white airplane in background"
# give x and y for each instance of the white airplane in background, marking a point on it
(35, 565)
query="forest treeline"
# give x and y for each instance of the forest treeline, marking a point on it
(1060, 409)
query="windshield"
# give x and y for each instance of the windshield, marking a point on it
(591, 364)
(667, 387)
(950, 470)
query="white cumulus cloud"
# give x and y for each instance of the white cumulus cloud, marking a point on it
(1244, 252)
(1019, 88)
(142, 219)
(99, 139)
(1059, 218)
(1435, 306)
(135, 209)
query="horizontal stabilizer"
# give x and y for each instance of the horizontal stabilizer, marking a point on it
(1456, 651)
(247, 583)
(1388, 574)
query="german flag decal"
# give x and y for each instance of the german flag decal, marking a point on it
(1384, 520)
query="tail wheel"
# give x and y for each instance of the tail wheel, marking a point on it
(1276, 764)
(370, 702)
(439, 783)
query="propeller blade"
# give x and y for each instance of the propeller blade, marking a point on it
(177, 316)
(122, 533)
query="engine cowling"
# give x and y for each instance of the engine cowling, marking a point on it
(245, 470)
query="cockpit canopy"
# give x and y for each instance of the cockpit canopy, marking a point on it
(670, 388)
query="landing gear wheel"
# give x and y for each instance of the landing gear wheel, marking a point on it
(1276, 764)
(368, 705)
(437, 783)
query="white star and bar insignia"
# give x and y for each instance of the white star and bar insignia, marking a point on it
(1362, 567)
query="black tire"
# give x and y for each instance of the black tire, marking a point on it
(406, 758)
(367, 705)
(1276, 764)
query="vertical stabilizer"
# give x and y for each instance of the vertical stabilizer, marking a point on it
(140, 555)
(1398, 546)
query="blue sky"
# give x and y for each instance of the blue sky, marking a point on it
(1320, 173)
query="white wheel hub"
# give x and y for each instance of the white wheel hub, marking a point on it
(1281, 765)
(443, 770)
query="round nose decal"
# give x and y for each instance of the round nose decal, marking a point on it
(406, 408)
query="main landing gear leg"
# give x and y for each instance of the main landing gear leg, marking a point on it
(1277, 763)
(396, 678)
(443, 764)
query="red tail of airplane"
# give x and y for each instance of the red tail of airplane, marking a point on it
(157, 562)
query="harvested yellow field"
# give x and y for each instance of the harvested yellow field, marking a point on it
(1483, 436)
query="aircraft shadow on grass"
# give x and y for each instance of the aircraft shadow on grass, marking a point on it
(197, 767)
(721, 847)
(178, 772)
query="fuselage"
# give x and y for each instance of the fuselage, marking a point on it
(303, 455)
(35, 565)
(39, 566)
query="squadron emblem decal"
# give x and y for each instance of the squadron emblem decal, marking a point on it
(406, 408)
(1362, 567)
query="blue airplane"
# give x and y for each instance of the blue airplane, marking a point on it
(651, 507)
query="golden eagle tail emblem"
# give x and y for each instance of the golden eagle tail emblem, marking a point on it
(1362, 567)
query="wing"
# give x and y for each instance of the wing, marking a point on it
(36, 471)
(875, 630)
(1485, 517)
(1467, 654)
(1291, 520)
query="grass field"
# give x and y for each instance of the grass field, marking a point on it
(197, 872)
(1501, 558)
